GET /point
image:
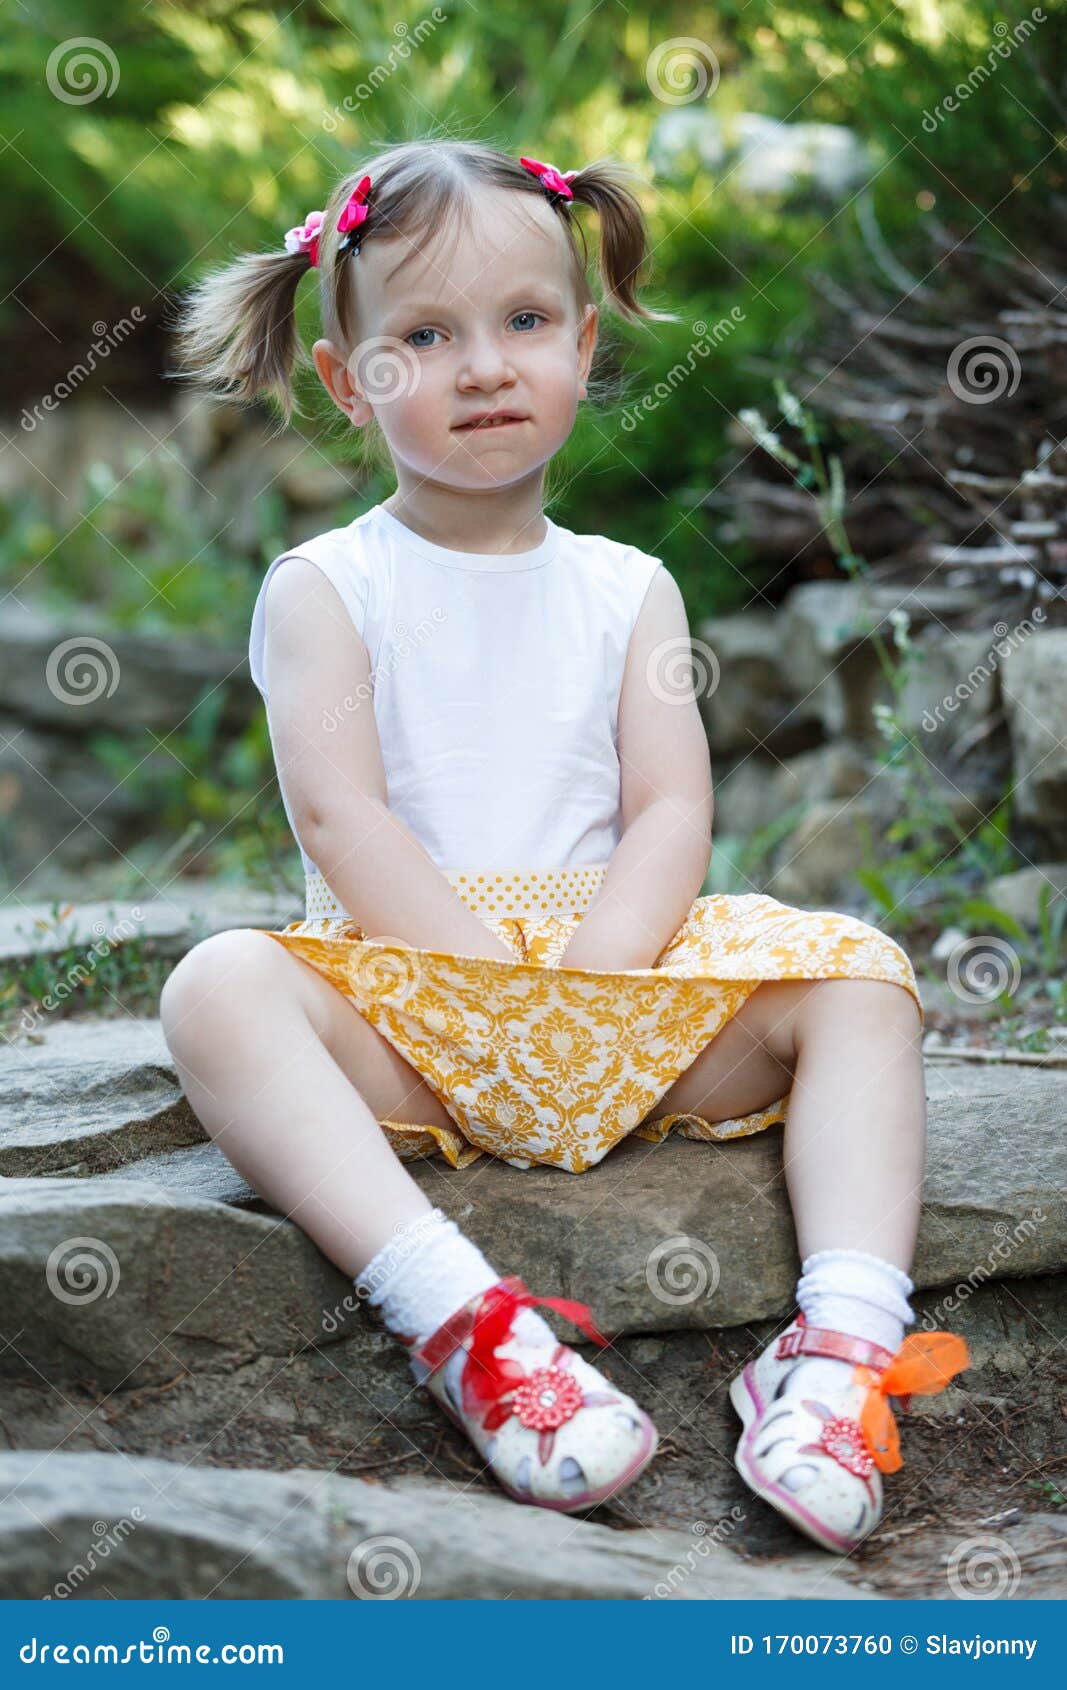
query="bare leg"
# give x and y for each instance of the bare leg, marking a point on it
(269, 1054)
(856, 1125)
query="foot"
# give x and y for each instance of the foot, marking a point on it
(818, 1433)
(553, 1431)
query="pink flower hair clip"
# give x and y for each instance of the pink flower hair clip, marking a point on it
(353, 215)
(305, 237)
(553, 181)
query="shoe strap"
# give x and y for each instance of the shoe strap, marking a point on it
(842, 1346)
(457, 1328)
(503, 1294)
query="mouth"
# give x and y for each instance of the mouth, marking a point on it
(502, 419)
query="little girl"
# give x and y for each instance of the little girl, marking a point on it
(503, 801)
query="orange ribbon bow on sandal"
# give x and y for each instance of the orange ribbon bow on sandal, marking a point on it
(923, 1365)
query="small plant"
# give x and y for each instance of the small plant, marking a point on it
(930, 846)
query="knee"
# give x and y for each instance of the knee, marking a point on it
(865, 1003)
(215, 974)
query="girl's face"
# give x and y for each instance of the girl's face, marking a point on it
(481, 322)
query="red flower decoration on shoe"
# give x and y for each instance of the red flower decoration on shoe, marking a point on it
(546, 1398)
(844, 1440)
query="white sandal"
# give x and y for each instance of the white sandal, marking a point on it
(818, 1458)
(553, 1431)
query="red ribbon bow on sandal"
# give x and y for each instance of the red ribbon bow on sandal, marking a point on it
(496, 1387)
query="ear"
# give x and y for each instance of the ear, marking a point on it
(587, 332)
(336, 377)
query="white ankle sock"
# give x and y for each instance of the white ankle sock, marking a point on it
(428, 1270)
(854, 1292)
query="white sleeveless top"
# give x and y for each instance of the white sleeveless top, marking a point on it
(496, 681)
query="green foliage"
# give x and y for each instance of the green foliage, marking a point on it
(227, 121)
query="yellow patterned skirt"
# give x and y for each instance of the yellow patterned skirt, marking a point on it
(538, 1063)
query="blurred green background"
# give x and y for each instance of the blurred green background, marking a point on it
(220, 124)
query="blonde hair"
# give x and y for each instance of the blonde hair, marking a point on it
(236, 329)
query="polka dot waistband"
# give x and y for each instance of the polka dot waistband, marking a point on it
(493, 893)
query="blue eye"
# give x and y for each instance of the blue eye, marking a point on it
(422, 344)
(519, 314)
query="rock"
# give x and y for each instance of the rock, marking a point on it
(200, 1172)
(1019, 894)
(188, 1533)
(125, 1281)
(823, 635)
(755, 793)
(1034, 679)
(102, 677)
(833, 841)
(708, 1241)
(92, 1095)
(189, 912)
(745, 701)
(953, 688)
(49, 788)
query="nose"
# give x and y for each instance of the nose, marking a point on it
(485, 363)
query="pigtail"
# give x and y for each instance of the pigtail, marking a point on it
(236, 329)
(624, 253)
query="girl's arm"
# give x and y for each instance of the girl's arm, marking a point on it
(661, 860)
(330, 767)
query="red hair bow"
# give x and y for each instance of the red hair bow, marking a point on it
(555, 181)
(353, 214)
